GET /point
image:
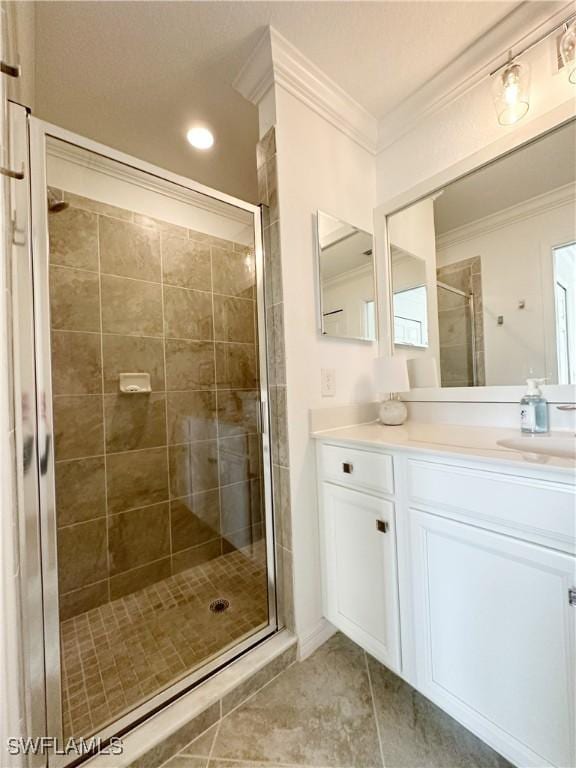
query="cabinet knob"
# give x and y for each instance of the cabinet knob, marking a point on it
(382, 526)
(347, 467)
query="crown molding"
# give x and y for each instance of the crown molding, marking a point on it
(522, 27)
(345, 277)
(101, 164)
(275, 61)
(535, 206)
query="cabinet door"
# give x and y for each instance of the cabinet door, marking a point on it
(360, 576)
(495, 637)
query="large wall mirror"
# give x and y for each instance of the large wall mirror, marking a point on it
(346, 279)
(483, 271)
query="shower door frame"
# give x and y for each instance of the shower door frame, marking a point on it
(39, 132)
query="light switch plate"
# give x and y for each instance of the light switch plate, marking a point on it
(328, 382)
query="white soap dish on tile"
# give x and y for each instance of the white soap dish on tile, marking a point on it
(135, 383)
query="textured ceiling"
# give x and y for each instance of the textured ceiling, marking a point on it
(136, 74)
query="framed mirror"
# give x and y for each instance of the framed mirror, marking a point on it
(346, 279)
(483, 271)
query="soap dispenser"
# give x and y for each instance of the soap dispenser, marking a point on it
(534, 409)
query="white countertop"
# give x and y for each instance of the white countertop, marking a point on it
(454, 440)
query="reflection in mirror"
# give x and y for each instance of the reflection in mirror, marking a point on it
(491, 260)
(410, 299)
(346, 277)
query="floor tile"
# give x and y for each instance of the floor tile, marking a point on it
(185, 761)
(317, 713)
(202, 746)
(416, 733)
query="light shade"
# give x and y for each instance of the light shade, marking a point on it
(392, 374)
(511, 91)
(423, 371)
(568, 51)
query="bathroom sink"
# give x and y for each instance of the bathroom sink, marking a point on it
(560, 445)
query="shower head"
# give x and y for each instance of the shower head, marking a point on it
(54, 204)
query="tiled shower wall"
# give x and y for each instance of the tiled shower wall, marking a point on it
(457, 344)
(268, 194)
(149, 484)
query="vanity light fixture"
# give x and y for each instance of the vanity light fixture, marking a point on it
(568, 50)
(200, 137)
(511, 90)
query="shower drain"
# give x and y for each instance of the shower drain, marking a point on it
(220, 605)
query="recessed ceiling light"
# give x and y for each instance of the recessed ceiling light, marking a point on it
(200, 138)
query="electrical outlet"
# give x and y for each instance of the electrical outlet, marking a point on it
(328, 382)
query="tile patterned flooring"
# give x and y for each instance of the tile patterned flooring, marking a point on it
(118, 655)
(338, 709)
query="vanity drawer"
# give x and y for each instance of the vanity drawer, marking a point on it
(366, 470)
(529, 508)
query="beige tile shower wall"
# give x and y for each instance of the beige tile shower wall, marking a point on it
(149, 484)
(267, 189)
(457, 345)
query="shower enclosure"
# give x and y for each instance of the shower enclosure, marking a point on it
(457, 337)
(144, 393)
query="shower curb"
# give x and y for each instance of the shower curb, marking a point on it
(166, 733)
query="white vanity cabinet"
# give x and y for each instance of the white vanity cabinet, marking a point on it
(494, 643)
(359, 549)
(467, 594)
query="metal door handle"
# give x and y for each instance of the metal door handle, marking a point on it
(566, 407)
(12, 70)
(347, 467)
(382, 526)
(12, 174)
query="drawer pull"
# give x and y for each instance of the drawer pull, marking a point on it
(382, 526)
(347, 467)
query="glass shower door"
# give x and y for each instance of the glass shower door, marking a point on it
(156, 503)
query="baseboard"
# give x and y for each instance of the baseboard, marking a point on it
(312, 640)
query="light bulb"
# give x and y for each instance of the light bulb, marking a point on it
(511, 89)
(200, 137)
(511, 93)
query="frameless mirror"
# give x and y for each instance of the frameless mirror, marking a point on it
(484, 271)
(346, 278)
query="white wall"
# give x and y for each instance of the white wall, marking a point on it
(517, 264)
(318, 167)
(348, 291)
